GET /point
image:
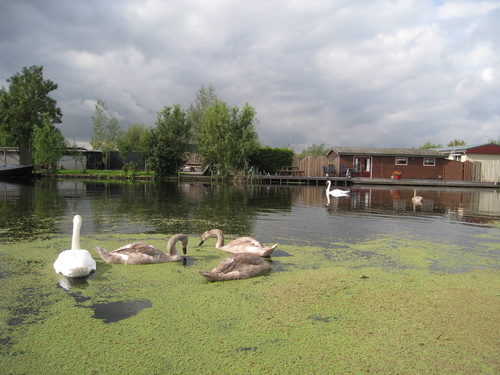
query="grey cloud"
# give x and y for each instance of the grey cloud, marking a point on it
(367, 73)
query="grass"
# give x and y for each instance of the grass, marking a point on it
(368, 308)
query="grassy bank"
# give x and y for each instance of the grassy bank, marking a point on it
(320, 311)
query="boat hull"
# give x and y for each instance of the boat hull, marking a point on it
(15, 170)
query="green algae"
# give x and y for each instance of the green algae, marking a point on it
(388, 305)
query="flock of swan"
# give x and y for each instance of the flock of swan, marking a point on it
(245, 262)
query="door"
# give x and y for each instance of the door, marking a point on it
(363, 166)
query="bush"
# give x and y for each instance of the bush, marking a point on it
(269, 160)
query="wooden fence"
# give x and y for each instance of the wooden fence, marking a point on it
(311, 165)
(487, 170)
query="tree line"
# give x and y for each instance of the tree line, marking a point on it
(225, 136)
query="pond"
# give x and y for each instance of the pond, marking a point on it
(360, 277)
(298, 215)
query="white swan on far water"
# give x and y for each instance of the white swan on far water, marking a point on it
(336, 192)
(75, 262)
(417, 199)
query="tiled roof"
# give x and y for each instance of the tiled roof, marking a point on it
(376, 151)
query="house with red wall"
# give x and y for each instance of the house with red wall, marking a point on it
(373, 162)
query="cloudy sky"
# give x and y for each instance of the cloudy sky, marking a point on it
(379, 73)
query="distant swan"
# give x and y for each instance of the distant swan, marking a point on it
(238, 266)
(239, 245)
(417, 199)
(143, 253)
(335, 192)
(75, 262)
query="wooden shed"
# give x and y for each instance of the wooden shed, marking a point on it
(375, 162)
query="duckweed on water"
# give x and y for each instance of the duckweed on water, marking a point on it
(387, 306)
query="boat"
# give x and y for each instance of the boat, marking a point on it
(16, 170)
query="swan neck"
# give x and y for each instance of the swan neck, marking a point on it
(75, 242)
(171, 246)
(220, 238)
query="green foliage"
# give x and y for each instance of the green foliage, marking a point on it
(105, 131)
(132, 139)
(24, 106)
(429, 145)
(456, 142)
(495, 141)
(315, 150)
(227, 136)
(205, 97)
(268, 160)
(168, 141)
(49, 145)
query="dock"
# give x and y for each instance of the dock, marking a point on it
(350, 181)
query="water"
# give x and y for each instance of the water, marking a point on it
(299, 215)
(291, 215)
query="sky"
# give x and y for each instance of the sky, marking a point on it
(372, 73)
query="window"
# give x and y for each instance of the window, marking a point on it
(401, 161)
(429, 162)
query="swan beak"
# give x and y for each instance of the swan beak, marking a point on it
(201, 243)
(184, 249)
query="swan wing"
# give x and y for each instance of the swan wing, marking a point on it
(139, 248)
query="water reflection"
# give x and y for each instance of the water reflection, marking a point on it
(41, 209)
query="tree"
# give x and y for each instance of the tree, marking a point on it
(205, 97)
(269, 160)
(167, 143)
(132, 139)
(456, 142)
(428, 145)
(315, 150)
(227, 136)
(25, 106)
(49, 145)
(105, 131)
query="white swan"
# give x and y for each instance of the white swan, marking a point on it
(75, 262)
(239, 245)
(335, 192)
(417, 199)
(238, 266)
(143, 253)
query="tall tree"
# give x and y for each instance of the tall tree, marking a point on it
(23, 107)
(105, 131)
(227, 136)
(49, 145)
(205, 97)
(167, 143)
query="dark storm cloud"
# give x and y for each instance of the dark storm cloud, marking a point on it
(373, 73)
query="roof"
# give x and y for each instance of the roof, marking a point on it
(376, 151)
(465, 148)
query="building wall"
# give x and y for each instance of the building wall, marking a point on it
(482, 157)
(383, 166)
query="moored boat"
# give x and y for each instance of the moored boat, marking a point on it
(16, 170)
